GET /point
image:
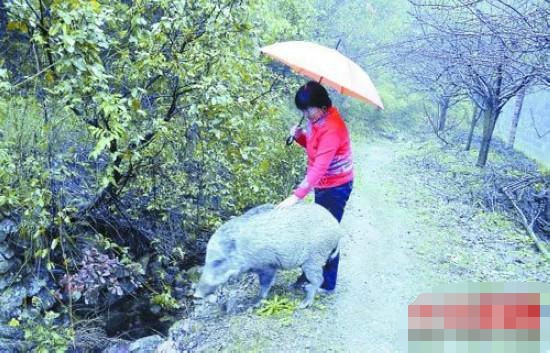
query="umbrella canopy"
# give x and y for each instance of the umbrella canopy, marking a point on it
(326, 66)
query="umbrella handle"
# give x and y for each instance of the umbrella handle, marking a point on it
(291, 139)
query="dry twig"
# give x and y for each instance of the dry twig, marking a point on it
(508, 190)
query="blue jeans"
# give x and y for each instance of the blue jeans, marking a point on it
(334, 200)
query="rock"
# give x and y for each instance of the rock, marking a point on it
(13, 346)
(118, 348)
(5, 265)
(7, 259)
(6, 251)
(388, 135)
(167, 347)
(7, 226)
(11, 333)
(47, 300)
(232, 305)
(180, 292)
(146, 344)
(36, 285)
(117, 322)
(181, 279)
(144, 261)
(155, 309)
(185, 332)
(36, 281)
(194, 273)
(11, 300)
(5, 281)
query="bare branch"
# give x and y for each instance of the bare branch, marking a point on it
(539, 134)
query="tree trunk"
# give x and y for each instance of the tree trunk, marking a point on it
(473, 123)
(490, 116)
(443, 107)
(515, 117)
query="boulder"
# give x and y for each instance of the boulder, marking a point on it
(5, 281)
(6, 251)
(7, 260)
(168, 347)
(11, 333)
(7, 227)
(10, 346)
(146, 344)
(5, 265)
(118, 348)
(11, 300)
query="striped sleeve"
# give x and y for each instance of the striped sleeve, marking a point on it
(328, 146)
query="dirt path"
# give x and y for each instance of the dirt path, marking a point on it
(377, 265)
(381, 272)
(394, 252)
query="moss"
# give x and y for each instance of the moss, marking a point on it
(462, 169)
(494, 219)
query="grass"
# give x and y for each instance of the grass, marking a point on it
(488, 246)
(277, 306)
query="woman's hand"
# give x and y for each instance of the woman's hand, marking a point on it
(289, 201)
(295, 129)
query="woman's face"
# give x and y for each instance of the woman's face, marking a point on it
(313, 113)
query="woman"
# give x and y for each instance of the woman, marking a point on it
(329, 162)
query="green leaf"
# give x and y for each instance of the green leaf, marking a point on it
(54, 244)
(14, 323)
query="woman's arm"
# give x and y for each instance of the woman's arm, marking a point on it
(328, 144)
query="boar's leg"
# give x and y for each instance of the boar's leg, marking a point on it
(314, 274)
(267, 278)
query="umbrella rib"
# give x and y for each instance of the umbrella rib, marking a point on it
(342, 74)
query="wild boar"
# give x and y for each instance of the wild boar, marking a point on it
(264, 240)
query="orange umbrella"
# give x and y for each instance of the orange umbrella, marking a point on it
(327, 66)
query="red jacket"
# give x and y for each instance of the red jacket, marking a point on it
(329, 160)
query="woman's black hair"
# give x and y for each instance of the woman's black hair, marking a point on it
(312, 94)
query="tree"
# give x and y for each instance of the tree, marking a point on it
(482, 60)
(164, 105)
(428, 75)
(477, 113)
(515, 117)
(363, 30)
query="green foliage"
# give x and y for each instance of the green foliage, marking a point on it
(167, 97)
(277, 306)
(165, 300)
(46, 336)
(4, 82)
(24, 178)
(283, 20)
(544, 170)
(165, 105)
